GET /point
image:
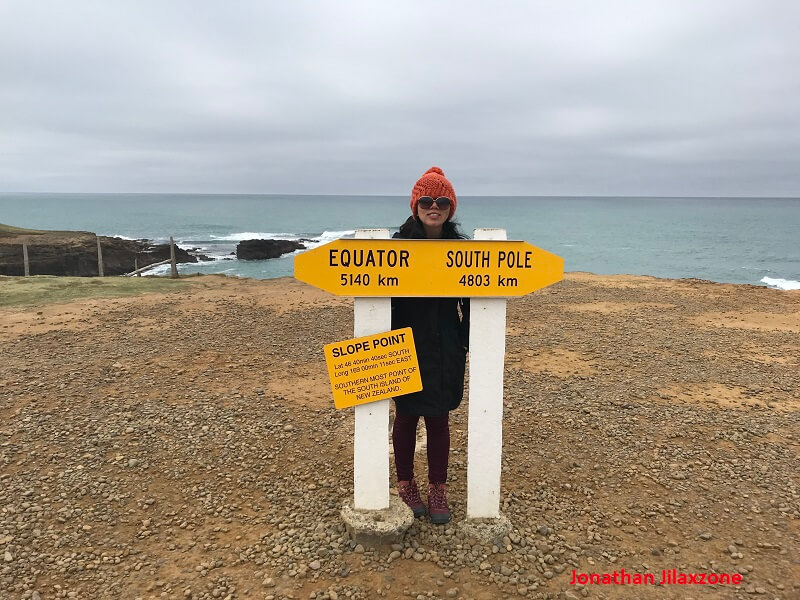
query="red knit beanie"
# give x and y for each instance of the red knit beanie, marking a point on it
(434, 184)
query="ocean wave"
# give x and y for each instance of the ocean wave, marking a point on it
(335, 235)
(781, 284)
(160, 270)
(325, 237)
(122, 237)
(253, 235)
(215, 257)
(215, 253)
(219, 247)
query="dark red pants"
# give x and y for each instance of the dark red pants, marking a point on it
(404, 439)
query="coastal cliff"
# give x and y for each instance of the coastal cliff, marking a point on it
(74, 253)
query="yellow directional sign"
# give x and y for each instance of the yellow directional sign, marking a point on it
(456, 268)
(373, 367)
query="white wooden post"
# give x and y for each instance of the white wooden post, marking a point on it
(487, 346)
(371, 444)
(26, 264)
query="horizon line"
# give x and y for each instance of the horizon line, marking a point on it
(654, 197)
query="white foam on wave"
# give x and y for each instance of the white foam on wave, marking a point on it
(324, 238)
(218, 247)
(215, 257)
(253, 235)
(160, 270)
(335, 235)
(213, 253)
(122, 237)
(781, 284)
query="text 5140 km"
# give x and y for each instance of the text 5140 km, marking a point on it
(471, 280)
(364, 279)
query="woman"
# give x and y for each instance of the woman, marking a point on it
(441, 337)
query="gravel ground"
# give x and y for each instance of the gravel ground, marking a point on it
(186, 446)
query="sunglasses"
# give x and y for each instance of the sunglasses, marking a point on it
(427, 202)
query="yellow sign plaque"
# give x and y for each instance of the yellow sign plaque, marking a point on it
(442, 268)
(373, 367)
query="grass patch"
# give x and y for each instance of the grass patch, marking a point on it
(11, 231)
(49, 289)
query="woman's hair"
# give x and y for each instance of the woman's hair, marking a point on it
(412, 229)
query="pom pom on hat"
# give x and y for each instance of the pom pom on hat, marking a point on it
(433, 183)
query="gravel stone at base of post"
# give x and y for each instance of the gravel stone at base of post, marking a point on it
(488, 531)
(373, 528)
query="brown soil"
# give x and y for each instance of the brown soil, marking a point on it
(185, 446)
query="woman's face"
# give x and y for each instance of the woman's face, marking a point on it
(434, 216)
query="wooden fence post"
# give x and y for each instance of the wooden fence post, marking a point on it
(136, 266)
(172, 258)
(25, 260)
(99, 258)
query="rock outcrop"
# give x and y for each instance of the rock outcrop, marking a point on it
(74, 253)
(263, 249)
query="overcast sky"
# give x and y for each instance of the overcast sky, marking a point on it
(672, 97)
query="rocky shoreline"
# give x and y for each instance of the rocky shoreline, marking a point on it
(74, 253)
(266, 249)
(185, 445)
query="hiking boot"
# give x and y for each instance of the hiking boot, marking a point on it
(437, 503)
(409, 493)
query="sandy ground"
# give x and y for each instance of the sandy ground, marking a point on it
(185, 445)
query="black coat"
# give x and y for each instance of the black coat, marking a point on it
(441, 337)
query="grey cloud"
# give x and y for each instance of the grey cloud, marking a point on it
(643, 98)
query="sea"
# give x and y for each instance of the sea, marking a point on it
(732, 240)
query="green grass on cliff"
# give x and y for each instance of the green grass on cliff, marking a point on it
(9, 231)
(49, 289)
